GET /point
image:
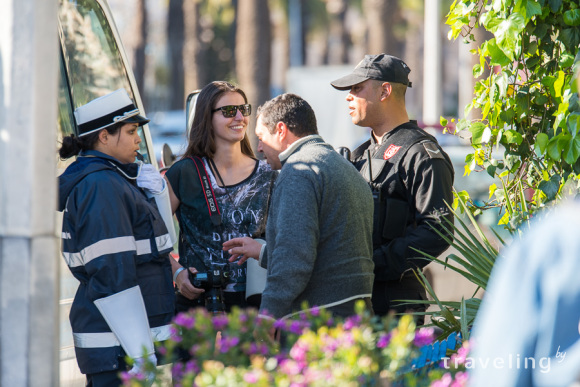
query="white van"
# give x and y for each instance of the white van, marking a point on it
(92, 63)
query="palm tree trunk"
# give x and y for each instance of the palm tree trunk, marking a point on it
(195, 73)
(252, 53)
(175, 37)
(382, 16)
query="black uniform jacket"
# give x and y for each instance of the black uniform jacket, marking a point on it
(411, 178)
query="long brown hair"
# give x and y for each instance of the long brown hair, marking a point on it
(201, 135)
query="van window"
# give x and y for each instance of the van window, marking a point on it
(92, 59)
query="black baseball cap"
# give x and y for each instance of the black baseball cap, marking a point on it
(381, 67)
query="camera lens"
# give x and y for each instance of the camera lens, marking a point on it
(214, 301)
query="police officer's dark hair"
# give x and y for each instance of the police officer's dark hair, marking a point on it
(292, 110)
(201, 134)
(72, 145)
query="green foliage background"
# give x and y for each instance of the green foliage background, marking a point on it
(527, 97)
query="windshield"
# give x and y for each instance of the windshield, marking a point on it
(92, 59)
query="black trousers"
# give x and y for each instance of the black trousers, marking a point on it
(387, 296)
(108, 378)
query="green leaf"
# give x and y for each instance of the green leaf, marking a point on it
(507, 115)
(528, 8)
(572, 150)
(501, 81)
(573, 123)
(507, 34)
(443, 121)
(476, 130)
(559, 83)
(555, 5)
(550, 187)
(496, 55)
(492, 189)
(553, 150)
(541, 143)
(513, 137)
(572, 17)
(571, 38)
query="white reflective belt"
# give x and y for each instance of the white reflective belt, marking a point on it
(107, 246)
(108, 339)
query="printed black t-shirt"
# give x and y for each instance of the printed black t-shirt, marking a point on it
(243, 208)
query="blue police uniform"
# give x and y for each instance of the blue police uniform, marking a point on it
(116, 244)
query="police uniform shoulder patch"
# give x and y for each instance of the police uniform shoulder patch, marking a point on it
(433, 150)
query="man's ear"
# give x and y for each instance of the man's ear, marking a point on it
(386, 90)
(281, 130)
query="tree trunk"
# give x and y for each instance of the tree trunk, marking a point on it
(382, 17)
(175, 37)
(139, 64)
(338, 37)
(195, 73)
(253, 40)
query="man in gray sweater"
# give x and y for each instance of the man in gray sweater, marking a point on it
(319, 228)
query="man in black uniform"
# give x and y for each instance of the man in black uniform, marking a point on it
(410, 175)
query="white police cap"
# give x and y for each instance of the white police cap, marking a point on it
(107, 110)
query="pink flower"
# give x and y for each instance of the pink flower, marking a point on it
(352, 322)
(384, 340)
(299, 351)
(220, 322)
(445, 381)
(296, 327)
(290, 367)
(461, 379)
(185, 320)
(251, 378)
(424, 336)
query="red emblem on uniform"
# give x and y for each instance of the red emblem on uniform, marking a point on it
(390, 152)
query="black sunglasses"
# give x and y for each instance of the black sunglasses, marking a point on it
(230, 111)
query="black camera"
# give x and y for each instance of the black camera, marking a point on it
(213, 282)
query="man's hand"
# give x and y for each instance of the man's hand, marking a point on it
(185, 287)
(242, 248)
(150, 179)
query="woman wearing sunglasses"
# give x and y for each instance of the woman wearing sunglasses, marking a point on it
(218, 191)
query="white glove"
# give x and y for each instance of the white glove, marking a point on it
(140, 369)
(149, 179)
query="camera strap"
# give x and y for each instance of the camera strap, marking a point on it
(212, 206)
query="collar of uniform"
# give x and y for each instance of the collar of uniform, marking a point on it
(295, 145)
(386, 135)
(131, 170)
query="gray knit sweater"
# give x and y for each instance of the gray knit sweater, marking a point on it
(319, 232)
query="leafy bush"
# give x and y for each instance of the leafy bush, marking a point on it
(527, 98)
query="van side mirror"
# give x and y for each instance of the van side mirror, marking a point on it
(190, 103)
(167, 156)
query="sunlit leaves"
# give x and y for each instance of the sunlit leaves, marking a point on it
(512, 137)
(507, 33)
(527, 102)
(541, 143)
(528, 8)
(476, 130)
